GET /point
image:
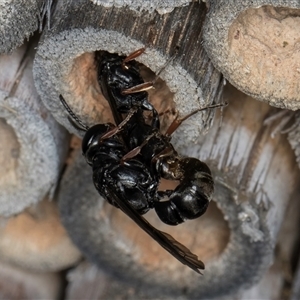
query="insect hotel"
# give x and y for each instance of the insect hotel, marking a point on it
(186, 184)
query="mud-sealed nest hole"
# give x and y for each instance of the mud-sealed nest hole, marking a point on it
(264, 46)
(90, 105)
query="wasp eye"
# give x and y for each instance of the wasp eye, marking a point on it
(93, 135)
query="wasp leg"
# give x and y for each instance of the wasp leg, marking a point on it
(145, 86)
(132, 56)
(135, 151)
(118, 128)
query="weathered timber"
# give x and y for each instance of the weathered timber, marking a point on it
(255, 44)
(33, 145)
(294, 136)
(162, 7)
(277, 281)
(64, 62)
(87, 281)
(17, 283)
(255, 178)
(287, 250)
(19, 19)
(296, 284)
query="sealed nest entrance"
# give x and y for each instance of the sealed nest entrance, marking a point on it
(91, 107)
(9, 154)
(264, 45)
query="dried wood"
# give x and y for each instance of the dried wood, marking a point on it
(255, 178)
(17, 283)
(161, 6)
(89, 282)
(296, 284)
(294, 136)
(277, 282)
(64, 63)
(19, 19)
(33, 145)
(255, 44)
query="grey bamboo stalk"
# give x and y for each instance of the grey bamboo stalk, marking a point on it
(64, 62)
(100, 285)
(18, 283)
(19, 19)
(255, 177)
(33, 145)
(88, 281)
(288, 251)
(255, 44)
(296, 284)
(161, 7)
(294, 136)
(36, 240)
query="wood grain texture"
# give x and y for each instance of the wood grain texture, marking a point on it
(255, 178)
(33, 144)
(109, 239)
(296, 284)
(19, 19)
(18, 283)
(255, 44)
(64, 63)
(294, 135)
(161, 6)
(87, 281)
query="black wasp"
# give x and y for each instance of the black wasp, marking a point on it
(130, 158)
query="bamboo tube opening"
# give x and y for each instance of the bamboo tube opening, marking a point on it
(196, 235)
(255, 44)
(80, 28)
(86, 100)
(89, 103)
(36, 240)
(35, 144)
(9, 154)
(255, 176)
(264, 45)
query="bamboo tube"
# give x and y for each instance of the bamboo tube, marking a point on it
(36, 240)
(17, 283)
(33, 145)
(293, 136)
(296, 285)
(255, 44)
(255, 177)
(64, 62)
(86, 281)
(162, 7)
(278, 280)
(19, 19)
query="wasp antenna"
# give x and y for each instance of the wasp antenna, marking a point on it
(178, 121)
(74, 120)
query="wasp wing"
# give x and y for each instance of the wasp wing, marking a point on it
(103, 60)
(179, 251)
